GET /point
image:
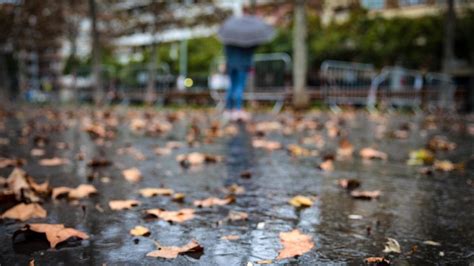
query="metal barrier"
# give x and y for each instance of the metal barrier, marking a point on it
(396, 86)
(267, 80)
(439, 91)
(346, 82)
(134, 81)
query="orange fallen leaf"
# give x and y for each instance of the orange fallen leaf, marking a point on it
(327, 165)
(213, 201)
(173, 251)
(140, 231)
(369, 153)
(367, 195)
(196, 158)
(230, 237)
(81, 191)
(345, 148)
(301, 201)
(298, 151)
(377, 260)
(266, 144)
(6, 162)
(56, 161)
(42, 188)
(37, 152)
(132, 175)
(179, 197)
(17, 183)
(55, 233)
(294, 244)
(123, 204)
(25, 212)
(151, 192)
(236, 189)
(172, 216)
(445, 165)
(237, 216)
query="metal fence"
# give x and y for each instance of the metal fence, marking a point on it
(396, 87)
(345, 82)
(439, 91)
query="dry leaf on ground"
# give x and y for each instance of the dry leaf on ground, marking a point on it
(56, 161)
(81, 191)
(445, 165)
(369, 153)
(266, 144)
(301, 201)
(6, 162)
(230, 237)
(440, 143)
(327, 165)
(379, 261)
(294, 244)
(348, 184)
(172, 216)
(25, 212)
(17, 183)
(213, 201)
(345, 148)
(123, 204)
(237, 216)
(151, 192)
(140, 231)
(366, 195)
(431, 243)
(392, 245)
(132, 175)
(37, 152)
(55, 233)
(235, 189)
(173, 251)
(298, 151)
(196, 158)
(179, 197)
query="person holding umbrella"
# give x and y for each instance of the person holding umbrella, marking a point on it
(240, 36)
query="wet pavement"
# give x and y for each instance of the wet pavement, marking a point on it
(412, 208)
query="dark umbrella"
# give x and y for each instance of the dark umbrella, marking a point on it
(245, 31)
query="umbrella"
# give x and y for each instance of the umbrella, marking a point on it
(245, 31)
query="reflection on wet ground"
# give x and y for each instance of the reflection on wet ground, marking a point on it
(413, 208)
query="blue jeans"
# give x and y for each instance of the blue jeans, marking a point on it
(238, 79)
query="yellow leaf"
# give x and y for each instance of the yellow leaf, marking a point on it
(301, 201)
(140, 231)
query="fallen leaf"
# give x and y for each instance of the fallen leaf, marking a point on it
(6, 162)
(140, 231)
(301, 201)
(25, 212)
(237, 216)
(440, 143)
(298, 151)
(392, 246)
(379, 261)
(327, 165)
(123, 204)
(172, 216)
(173, 251)
(132, 175)
(178, 197)
(230, 237)
(213, 201)
(42, 188)
(266, 144)
(264, 262)
(366, 195)
(444, 165)
(346, 149)
(81, 191)
(56, 161)
(236, 189)
(294, 244)
(196, 158)
(37, 152)
(369, 153)
(431, 243)
(55, 233)
(151, 192)
(348, 184)
(420, 157)
(17, 182)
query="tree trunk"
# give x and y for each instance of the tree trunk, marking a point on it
(150, 95)
(448, 52)
(300, 99)
(96, 68)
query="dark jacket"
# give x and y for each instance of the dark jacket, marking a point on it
(239, 57)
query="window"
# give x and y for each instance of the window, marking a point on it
(373, 4)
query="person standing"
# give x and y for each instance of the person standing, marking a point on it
(239, 61)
